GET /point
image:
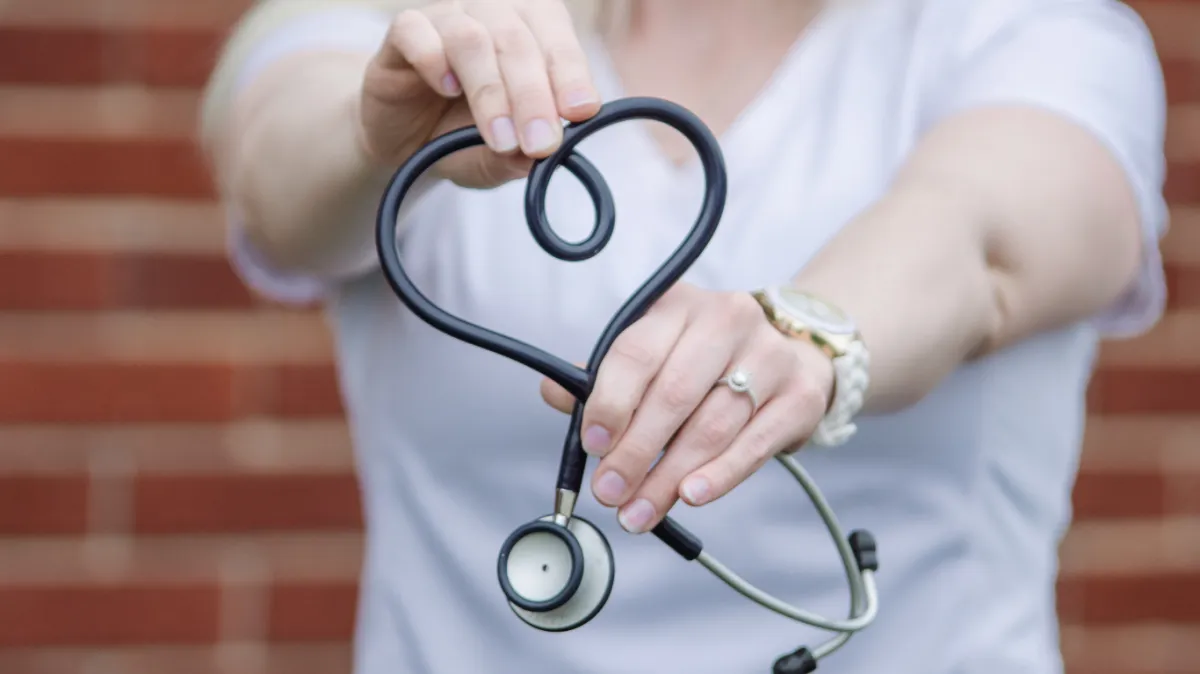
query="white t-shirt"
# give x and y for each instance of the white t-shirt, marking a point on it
(968, 492)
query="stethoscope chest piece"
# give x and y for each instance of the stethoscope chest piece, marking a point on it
(556, 577)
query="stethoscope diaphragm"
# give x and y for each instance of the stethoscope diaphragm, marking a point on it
(556, 577)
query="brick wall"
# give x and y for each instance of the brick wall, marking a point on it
(162, 434)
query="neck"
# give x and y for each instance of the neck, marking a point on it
(717, 20)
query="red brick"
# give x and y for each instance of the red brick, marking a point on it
(119, 225)
(86, 55)
(124, 13)
(298, 658)
(1100, 495)
(1183, 287)
(333, 658)
(174, 504)
(1173, 24)
(313, 611)
(113, 614)
(40, 167)
(63, 281)
(132, 392)
(36, 504)
(115, 393)
(1072, 669)
(299, 391)
(1135, 391)
(1183, 184)
(1106, 600)
(1183, 80)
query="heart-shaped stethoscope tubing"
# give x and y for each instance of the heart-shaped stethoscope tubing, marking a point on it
(557, 572)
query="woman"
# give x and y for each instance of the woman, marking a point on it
(977, 185)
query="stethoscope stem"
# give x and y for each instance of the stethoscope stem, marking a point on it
(564, 506)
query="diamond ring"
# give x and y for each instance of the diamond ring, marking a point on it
(739, 381)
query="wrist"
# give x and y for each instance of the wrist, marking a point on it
(833, 353)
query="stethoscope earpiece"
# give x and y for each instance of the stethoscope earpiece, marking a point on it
(557, 572)
(556, 577)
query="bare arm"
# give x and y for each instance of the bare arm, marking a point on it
(1004, 223)
(304, 150)
(294, 167)
(283, 144)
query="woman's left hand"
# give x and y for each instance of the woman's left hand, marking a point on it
(656, 393)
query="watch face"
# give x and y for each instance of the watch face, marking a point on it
(814, 312)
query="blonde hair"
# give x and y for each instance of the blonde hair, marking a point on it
(266, 15)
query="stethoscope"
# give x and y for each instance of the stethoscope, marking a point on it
(557, 571)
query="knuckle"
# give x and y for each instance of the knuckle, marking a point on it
(675, 392)
(715, 430)
(608, 411)
(779, 349)
(529, 97)
(563, 60)
(512, 39)
(742, 306)
(808, 395)
(634, 353)
(490, 94)
(762, 440)
(466, 36)
(405, 22)
(639, 452)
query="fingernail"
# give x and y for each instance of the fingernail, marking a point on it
(635, 517)
(695, 490)
(609, 488)
(596, 441)
(504, 134)
(450, 85)
(580, 98)
(538, 135)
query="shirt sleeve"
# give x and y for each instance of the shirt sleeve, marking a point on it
(343, 29)
(1091, 61)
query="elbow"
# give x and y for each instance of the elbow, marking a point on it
(1047, 283)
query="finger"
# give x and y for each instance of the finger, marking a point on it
(525, 79)
(556, 396)
(779, 426)
(472, 56)
(574, 90)
(709, 431)
(625, 374)
(722, 419)
(699, 358)
(413, 42)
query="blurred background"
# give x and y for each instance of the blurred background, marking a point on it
(176, 485)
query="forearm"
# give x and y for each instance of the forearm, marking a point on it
(295, 169)
(1003, 224)
(923, 301)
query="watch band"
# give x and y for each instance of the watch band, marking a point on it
(851, 363)
(850, 387)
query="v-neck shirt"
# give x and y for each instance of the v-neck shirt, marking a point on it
(968, 492)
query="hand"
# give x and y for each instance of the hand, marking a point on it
(654, 393)
(513, 68)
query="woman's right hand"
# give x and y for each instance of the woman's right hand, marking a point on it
(513, 68)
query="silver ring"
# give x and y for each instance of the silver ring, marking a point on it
(739, 381)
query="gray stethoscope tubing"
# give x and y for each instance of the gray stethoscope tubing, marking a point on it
(864, 599)
(562, 551)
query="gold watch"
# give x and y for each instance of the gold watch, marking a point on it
(801, 315)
